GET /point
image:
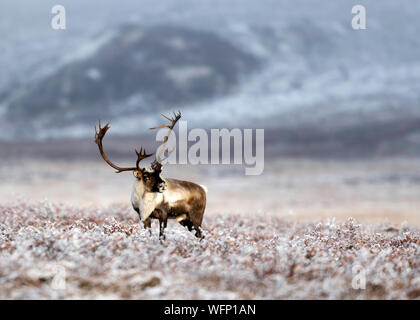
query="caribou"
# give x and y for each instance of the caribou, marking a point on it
(155, 197)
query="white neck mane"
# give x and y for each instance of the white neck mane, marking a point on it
(145, 201)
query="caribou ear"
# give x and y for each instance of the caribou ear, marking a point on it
(137, 174)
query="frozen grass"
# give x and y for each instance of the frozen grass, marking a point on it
(103, 253)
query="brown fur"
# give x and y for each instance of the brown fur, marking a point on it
(192, 206)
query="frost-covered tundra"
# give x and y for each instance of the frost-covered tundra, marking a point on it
(101, 253)
(156, 198)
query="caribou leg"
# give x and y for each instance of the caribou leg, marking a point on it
(163, 223)
(148, 225)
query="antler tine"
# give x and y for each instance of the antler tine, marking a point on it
(177, 116)
(166, 117)
(141, 155)
(170, 126)
(173, 121)
(100, 132)
(99, 135)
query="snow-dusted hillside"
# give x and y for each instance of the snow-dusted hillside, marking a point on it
(321, 85)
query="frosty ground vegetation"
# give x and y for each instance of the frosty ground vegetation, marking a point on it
(105, 253)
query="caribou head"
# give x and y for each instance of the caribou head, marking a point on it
(150, 177)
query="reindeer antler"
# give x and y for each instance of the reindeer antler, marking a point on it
(171, 126)
(141, 155)
(100, 134)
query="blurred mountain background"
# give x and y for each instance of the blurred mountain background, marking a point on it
(295, 68)
(340, 107)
